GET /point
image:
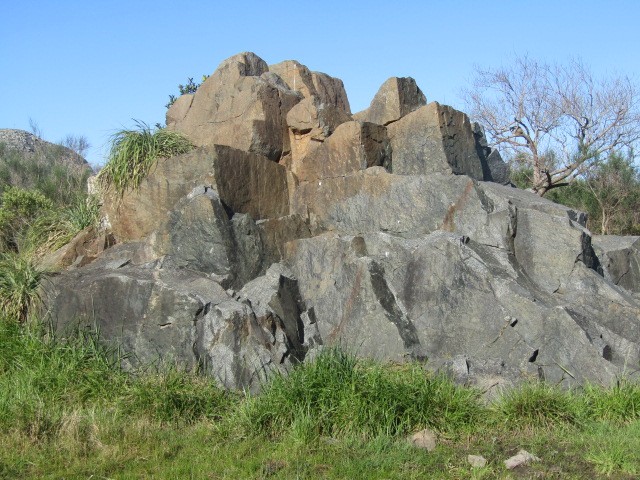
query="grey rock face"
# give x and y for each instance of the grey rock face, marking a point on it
(398, 242)
(620, 257)
(497, 170)
(435, 139)
(163, 316)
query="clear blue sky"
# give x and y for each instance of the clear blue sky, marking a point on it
(90, 67)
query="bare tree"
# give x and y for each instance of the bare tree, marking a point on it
(78, 144)
(560, 116)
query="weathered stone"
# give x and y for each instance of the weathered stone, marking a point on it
(396, 98)
(163, 317)
(245, 183)
(408, 205)
(354, 146)
(276, 232)
(620, 259)
(241, 106)
(521, 458)
(329, 90)
(425, 439)
(477, 461)
(497, 170)
(179, 109)
(310, 123)
(548, 259)
(435, 297)
(80, 251)
(435, 139)
(242, 266)
(242, 341)
(198, 236)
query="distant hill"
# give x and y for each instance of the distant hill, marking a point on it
(29, 162)
(34, 147)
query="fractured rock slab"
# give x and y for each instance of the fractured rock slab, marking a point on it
(239, 105)
(245, 183)
(396, 98)
(435, 139)
(354, 146)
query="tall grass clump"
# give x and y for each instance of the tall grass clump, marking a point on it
(20, 279)
(617, 404)
(337, 394)
(134, 152)
(538, 404)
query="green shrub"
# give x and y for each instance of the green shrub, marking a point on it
(338, 394)
(18, 210)
(190, 87)
(134, 152)
(42, 171)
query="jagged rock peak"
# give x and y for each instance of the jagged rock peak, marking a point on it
(396, 98)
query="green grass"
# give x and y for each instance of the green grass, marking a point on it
(134, 152)
(340, 395)
(68, 411)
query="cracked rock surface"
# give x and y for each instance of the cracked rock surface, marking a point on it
(393, 233)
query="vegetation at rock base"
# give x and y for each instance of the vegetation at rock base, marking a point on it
(43, 204)
(134, 152)
(67, 410)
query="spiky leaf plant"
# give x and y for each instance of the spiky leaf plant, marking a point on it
(134, 152)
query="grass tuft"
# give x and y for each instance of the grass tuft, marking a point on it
(20, 278)
(620, 403)
(134, 152)
(538, 404)
(337, 394)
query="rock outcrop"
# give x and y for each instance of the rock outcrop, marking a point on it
(393, 232)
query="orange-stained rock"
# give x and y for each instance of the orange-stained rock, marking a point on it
(354, 146)
(240, 105)
(246, 183)
(396, 98)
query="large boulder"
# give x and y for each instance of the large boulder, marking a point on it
(396, 98)
(329, 90)
(435, 297)
(245, 183)
(354, 146)
(620, 257)
(240, 105)
(310, 123)
(166, 317)
(436, 139)
(398, 238)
